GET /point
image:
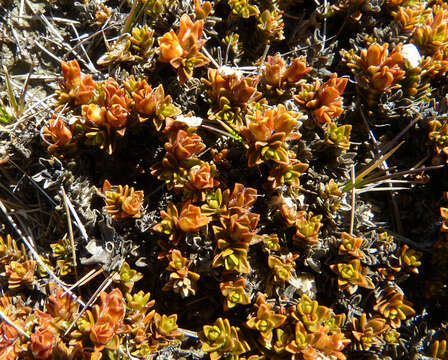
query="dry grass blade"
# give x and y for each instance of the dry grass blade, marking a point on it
(47, 52)
(389, 188)
(374, 164)
(90, 64)
(130, 19)
(11, 98)
(22, 95)
(92, 299)
(86, 278)
(11, 323)
(352, 213)
(213, 61)
(70, 231)
(79, 224)
(36, 255)
(34, 183)
(221, 132)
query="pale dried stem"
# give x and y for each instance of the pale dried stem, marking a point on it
(47, 52)
(70, 232)
(28, 241)
(352, 213)
(15, 326)
(95, 295)
(86, 278)
(91, 67)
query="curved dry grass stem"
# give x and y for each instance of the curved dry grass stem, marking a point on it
(5, 318)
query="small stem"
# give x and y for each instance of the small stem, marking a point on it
(352, 214)
(14, 325)
(70, 231)
(130, 18)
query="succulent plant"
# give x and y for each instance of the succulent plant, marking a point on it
(191, 219)
(438, 349)
(109, 317)
(310, 313)
(76, 88)
(42, 341)
(234, 293)
(166, 327)
(122, 201)
(149, 102)
(307, 227)
(317, 344)
(282, 267)
(270, 24)
(246, 162)
(222, 339)
(202, 10)
(265, 320)
(182, 280)
(351, 275)
(367, 333)
(58, 136)
(278, 77)
(181, 49)
(392, 305)
(378, 69)
(243, 8)
(20, 273)
(324, 98)
(230, 93)
(351, 245)
(267, 133)
(338, 136)
(410, 258)
(128, 277)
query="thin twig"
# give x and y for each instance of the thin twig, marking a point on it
(91, 66)
(21, 9)
(324, 36)
(15, 326)
(260, 69)
(36, 255)
(67, 47)
(34, 183)
(95, 295)
(47, 52)
(54, 18)
(352, 213)
(86, 278)
(189, 333)
(22, 95)
(210, 57)
(130, 18)
(70, 232)
(78, 221)
(99, 32)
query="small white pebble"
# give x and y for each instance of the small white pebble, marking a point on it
(411, 55)
(190, 121)
(228, 71)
